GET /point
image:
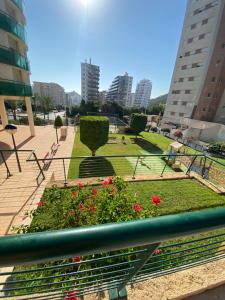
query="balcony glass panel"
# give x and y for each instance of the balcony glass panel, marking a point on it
(11, 57)
(14, 88)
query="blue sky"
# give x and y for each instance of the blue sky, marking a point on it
(136, 36)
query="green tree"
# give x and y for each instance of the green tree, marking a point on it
(45, 103)
(58, 123)
(94, 132)
(138, 123)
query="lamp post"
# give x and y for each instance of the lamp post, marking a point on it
(12, 129)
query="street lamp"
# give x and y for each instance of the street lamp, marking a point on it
(12, 129)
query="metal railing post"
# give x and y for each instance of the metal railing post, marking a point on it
(133, 177)
(164, 168)
(7, 168)
(39, 166)
(64, 170)
(203, 168)
(189, 168)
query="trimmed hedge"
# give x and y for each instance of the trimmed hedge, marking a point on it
(94, 132)
(138, 123)
(58, 122)
(165, 130)
(217, 148)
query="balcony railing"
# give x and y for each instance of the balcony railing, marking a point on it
(19, 4)
(10, 25)
(15, 88)
(75, 262)
(11, 57)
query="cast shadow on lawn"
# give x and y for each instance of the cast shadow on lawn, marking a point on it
(95, 167)
(146, 145)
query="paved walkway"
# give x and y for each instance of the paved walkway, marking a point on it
(20, 192)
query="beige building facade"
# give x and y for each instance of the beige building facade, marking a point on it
(52, 90)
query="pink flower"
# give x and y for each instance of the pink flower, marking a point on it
(74, 194)
(80, 184)
(156, 200)
(113, 190)
(81, 207)
(40, 203)
(94, 191)
(137, 207)
(157, 251)
(110, 180)
(71, 296)
(71, 213)
(92, 208)
(105, 183)
(76, 259)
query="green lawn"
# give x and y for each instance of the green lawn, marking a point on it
(152, 143)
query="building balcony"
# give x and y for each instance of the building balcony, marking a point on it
(19, 4)
(11, 57)
(15, 88)
(10, 25)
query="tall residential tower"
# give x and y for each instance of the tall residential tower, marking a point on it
(120, 90)
(143, 93)
(198, 82)
(90, 82)
(14, 65)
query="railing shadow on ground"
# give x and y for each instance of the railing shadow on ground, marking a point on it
(110, 256)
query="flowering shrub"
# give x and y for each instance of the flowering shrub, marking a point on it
(87, 205)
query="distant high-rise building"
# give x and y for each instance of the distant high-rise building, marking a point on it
(143, 93)
(90, 82)
(197, 88)
(120, 90)
(51, 90)
(73, 98)
(102, 97)
(14, 66)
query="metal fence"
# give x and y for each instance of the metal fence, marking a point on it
(72, 263)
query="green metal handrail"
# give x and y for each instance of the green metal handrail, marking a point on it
(8, 23)
(38, 247)
(12, 57)
(14, 88)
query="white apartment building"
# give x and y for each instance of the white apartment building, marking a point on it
(14, 66)
(143, 93)
(51, 90)
(73, 98)
(90, 82)
(197, 88)
(120, 90)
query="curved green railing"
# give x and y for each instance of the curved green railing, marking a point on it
(11, 57)
(10, 25)
(109, 257)
(14, 88)
(19, 4)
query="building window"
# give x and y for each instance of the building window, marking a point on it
(197, 11)
(172, 113)
(213, 79)
(175, 102)
(201, 36)
(181, 114)
(184, 67)
(204, 109)
(187, 53)
(187, 91)
(223, 45)
(190, 40)
(193, 26)
(191, 78)
(209, 95)
(217, 62)
(181, 79)
(176, 92)
(197, 51)
(195, 65)
(205, 21)
(184, 103)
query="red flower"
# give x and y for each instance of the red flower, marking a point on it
(80, 184)
(137, 207)
(71, 296)
(105, 183)
(71, 213)
(157, 251)
(81, 207)
(94, 191)
(74, 194)
(156, 200)
(40, 203)
(76, 259)
(92, 208)
(113, 190)
(110, 180)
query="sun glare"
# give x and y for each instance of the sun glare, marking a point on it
(85, 2)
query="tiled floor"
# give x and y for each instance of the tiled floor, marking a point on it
(20, 192)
